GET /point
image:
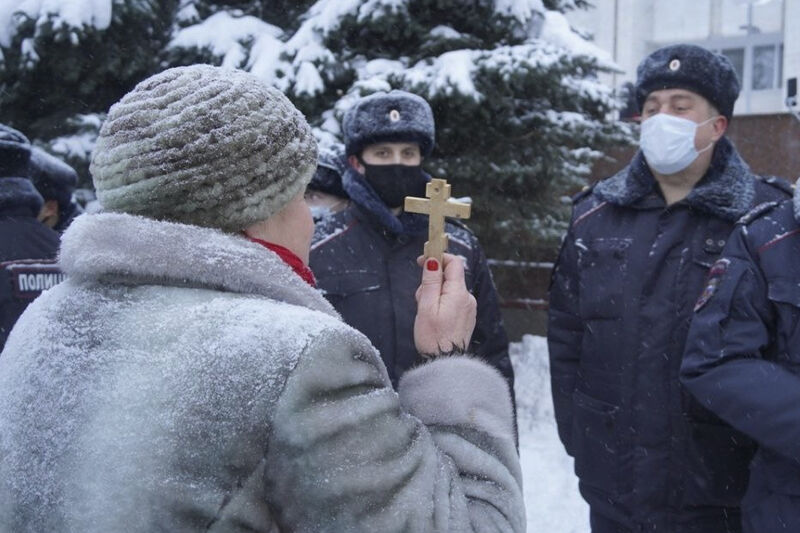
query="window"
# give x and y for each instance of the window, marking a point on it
(756, 58)
(763, 67)
(767, 66)
(736, 57)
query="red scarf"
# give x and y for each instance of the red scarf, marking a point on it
(290, 259)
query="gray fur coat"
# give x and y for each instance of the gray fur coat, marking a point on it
(187, 380)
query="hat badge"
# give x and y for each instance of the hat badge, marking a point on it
(675, 64)
(394, 115)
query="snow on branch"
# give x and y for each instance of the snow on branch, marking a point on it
(450, 72)
(223, 34)
(75, 14)
(80, 143)
(557, 31)
(294, 63)
(522, 10)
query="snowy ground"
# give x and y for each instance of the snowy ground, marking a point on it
(553, 504)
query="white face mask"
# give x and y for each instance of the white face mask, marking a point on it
(668, 142)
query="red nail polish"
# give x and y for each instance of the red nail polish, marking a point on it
(432, 264)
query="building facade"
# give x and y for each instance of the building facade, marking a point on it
(760, 37)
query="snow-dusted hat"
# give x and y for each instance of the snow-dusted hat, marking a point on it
(690, 67)
(53, 178)
(203, 145)
(16, 190)
(397, 116)
(15, 151)
(331, 165)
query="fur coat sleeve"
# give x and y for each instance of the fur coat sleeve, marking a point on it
(437, 456)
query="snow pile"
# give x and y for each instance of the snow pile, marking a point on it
(552, 501)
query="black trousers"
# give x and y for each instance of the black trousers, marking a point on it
(731, 524)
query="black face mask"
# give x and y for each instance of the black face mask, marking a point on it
(394, 182)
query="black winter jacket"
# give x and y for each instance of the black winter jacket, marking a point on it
(629, 273)
(742, 357)
(370, 275)
(28, 251)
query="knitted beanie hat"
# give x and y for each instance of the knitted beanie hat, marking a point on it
(203, 145)
(690, 67)
(396, 116)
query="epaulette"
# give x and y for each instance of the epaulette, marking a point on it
(586, 191)
(757, 211)
(779, 183)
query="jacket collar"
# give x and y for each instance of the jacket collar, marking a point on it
(135, 250)
(796, 203)
(363, 195)
(726, 191)
(18, 196)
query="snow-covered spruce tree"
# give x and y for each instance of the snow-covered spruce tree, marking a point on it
(520, 115)
(62, 63)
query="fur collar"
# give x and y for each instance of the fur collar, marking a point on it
(18, 195)
(726, 191)
(363, 195)
(132, 250)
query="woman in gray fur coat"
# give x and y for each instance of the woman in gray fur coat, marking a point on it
(204, 384)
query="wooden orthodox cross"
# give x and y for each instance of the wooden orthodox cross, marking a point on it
(437, 207)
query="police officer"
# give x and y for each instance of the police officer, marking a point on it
(364, 257)
(55, 180)
(631, 267)
(324, 193)
(27, 247)
(743, 355)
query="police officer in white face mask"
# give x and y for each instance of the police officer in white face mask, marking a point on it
(632, 266)
(681, 119)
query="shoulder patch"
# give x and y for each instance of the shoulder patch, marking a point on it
(757, 211)
(30, 277)
(715, 274)
(779, 183)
